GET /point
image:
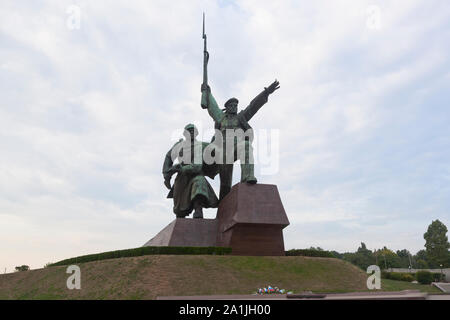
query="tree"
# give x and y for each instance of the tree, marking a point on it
(420, 260)
(436, 244)
(422, 264)
(421, 255)
(363, 257)
(337, 255)
(387, 258)
(405, 258)
(22, 268)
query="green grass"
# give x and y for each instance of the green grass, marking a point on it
(147, 277)
(394, 285)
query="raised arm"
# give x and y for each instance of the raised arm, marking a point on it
(259, 100)
(208, 102)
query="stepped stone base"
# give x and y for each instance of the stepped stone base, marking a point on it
(183, 232)
(250, 220)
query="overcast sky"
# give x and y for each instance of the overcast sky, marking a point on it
(89, 107)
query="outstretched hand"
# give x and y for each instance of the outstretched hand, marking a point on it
(274, 86)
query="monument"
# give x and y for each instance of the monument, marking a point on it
(250, 216)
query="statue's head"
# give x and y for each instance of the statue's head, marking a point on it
(231, 106)
(190, 131)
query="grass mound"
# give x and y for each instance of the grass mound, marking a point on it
(147, 277)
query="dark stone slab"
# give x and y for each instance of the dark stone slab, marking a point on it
(185, 232)
(251, 219)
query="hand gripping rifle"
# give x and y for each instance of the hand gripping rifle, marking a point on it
(205, 98)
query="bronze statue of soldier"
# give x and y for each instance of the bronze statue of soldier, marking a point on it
(191, 190)
(227, 120)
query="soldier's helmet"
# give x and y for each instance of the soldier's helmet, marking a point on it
(191, 127)
(230, 101)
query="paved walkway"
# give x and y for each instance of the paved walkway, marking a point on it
(444, 287)
(439, 297)
(398, 295)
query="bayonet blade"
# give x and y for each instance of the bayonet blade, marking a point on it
(204, 34)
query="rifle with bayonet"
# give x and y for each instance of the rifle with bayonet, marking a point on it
(205, 98)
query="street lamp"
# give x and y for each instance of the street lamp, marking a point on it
(441, 274)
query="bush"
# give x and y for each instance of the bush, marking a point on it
(396, 276)
(407, 277)
(142, 251)
(22, 268)
(424, 277)
(309, 253)
(437, 276)
(399, 276)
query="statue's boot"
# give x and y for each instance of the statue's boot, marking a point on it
(198, 213)
(247, 174)
(247, 166)
(198, 210)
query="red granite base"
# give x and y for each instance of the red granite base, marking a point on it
(251, 219)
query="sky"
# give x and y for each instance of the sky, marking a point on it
(93, 95)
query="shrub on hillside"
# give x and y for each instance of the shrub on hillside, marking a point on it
(142, 251)
(22, 268)
(309, 253)
(424, 277)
